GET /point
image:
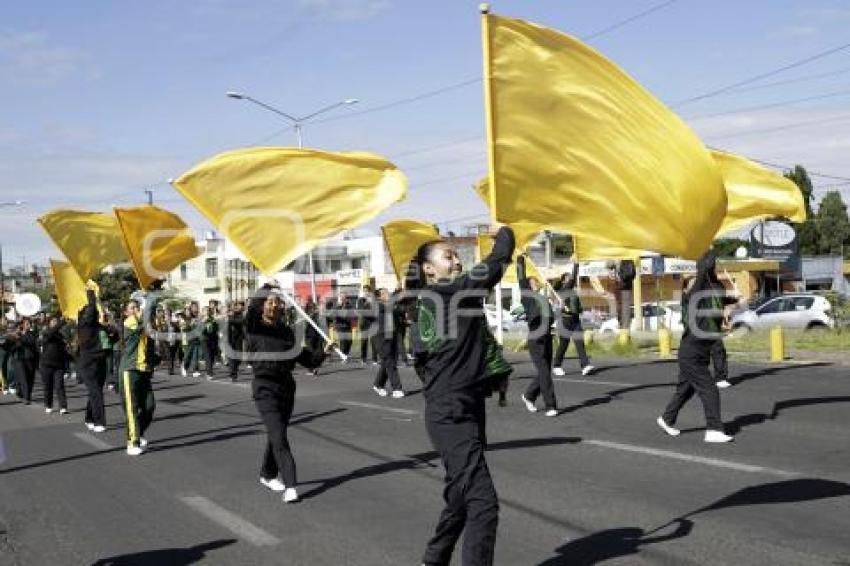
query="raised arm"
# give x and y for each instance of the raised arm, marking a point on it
(89, 315)
(520, 273)
(489, 272)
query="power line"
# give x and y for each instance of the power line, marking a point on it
(428, 149)
(476, 173)
(629, 20)
(770, 105)
(841, 118)
(811, 173)
(790, 81)
(761, 76)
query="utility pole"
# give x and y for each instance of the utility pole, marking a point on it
(149, 192)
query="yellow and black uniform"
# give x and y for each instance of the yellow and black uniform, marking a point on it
(137, 364)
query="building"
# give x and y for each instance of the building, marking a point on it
(220, 272)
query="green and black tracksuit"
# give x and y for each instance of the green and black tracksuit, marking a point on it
(702, 315)
(136, 370)
(539, 316)
(456, 359)
(570, 323)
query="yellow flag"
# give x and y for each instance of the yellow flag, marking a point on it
(524, 232)
(578, 146)
(403, 238)
(70, 289)
(157, 241)
(277, 203)
(755, 192)
(89, 240)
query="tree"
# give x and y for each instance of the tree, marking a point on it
(116, 288)
(833, 225)
(807, 233)
(726, 247)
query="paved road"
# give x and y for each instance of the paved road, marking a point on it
(598, 484)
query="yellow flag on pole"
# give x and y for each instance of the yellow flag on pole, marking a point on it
(755, 193)
(403, 238)
(70, 289)
(277, 203)
(89, 240)
(578, 146)
(157, 241)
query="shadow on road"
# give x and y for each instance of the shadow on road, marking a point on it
(166, 556)
(744, 421)
(740, 378)
(628, 541)
(422, 460)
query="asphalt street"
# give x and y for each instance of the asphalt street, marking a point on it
(598, 484)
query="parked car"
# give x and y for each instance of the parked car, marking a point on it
(512, 321)
(669, 314)
(802, 310)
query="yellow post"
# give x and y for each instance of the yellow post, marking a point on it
(623, 337)
(777, 344)
(664, 344)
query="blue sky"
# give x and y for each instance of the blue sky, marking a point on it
(102, 99)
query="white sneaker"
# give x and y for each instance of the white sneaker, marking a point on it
(48, 410)
(379, 390)
(13, 391)
(63, 411)
(672, 431)
(273, 484)
(98, 428)
(723, 384)
(717, 436)
(559, 372)
(376, 364)
(134, 451)
(210, 378)
(528, 404)
(196, 374)
(90, 426)
(183, 372)
(398, 393)
(552, 413)
(290, 495)
(143, 443)
(587, 370)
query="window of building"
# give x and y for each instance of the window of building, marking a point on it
(212, 267)
(356, 263)
(184, 272)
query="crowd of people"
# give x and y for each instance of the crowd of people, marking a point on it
(436, 324)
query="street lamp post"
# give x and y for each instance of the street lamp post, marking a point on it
(298, 125)
(8, 204)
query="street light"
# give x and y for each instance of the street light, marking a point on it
(6, 204)
(298, 124)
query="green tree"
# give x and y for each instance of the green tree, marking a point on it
(807, 232)
(726, 247)
(833, 225)
(116, 288)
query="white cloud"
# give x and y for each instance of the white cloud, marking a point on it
(344, 10)
(31, 58)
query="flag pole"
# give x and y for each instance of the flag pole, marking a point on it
(311, 322)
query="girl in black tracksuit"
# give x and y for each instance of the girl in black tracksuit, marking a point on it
(452, 358)
(54, 360)
(25, 358)
(273, 351)
(539, 316)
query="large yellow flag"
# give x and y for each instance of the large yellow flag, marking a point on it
(157, 241)
(89, 240)
(277, 203)
(755, 193)
(524, 232)
(70, 289)
(403, 238)
(578, 146)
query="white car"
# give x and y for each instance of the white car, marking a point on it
(511, 321)
(669, 314)
(802, 310)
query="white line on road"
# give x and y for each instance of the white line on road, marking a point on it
(379, 407)
(596, 382)
(240, 384)
(690, 458)
(230, 521)
(93, 441)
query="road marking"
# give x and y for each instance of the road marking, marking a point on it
(379, 407)
(230, 521)
(93, 441)
(240, 384)
(716, 462)
(596, 382)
